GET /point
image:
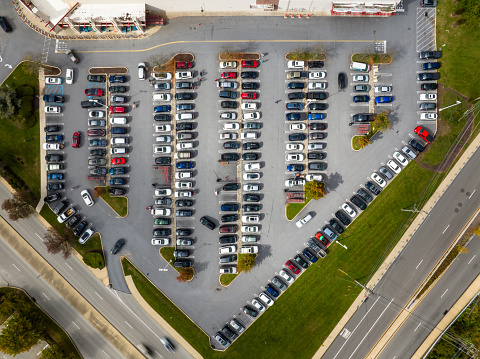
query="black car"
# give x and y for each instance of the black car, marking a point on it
(184, 107)
(184, 203)
(251, 208)
(185, 263)
(429, 86)
(336, 226)
(250, 86)
(119, 89)
(229, 157)
(53, 98)
(431, 65)
(228, 239)
(249, 156)
(372, 188)
(251, 198)
(54, 158)
(228, 104)
(184, 126)
(251, 146)
(296, 85)
(229, 333)
(164, 201)
(80, 228)
(54, 186)
(342, 80)
(318, 166)
(117, 78)
(362, 117)
(294, 116)
(229, 218)
(183, 96)
(429, 3)
(184, 213)
(231, 186)
(231, 145)
(428, 76)
(296, 95)
(98, 143)
(118, 130)
(416, 145)
(297, 137)
(357, 201)
(92, 103)
(163, 160)
(52, 198)
(96, 78)
(364, 195)
(309, 255)
(116, 191)
(51, 128)
(302, 262)
(428, 106)
(73, 221)
(317, 96)
(343, 218)
(120, 243)
(430, 54)
(183, 232)
(163, 117)
(249, 75)
(316, 155)
(161, 232)
(317, 106)
(318, 126)
(207, 223)
(5, 25)
(316, 135)
(184, 85)
(250, 311)
(315, 64)
(99, 152)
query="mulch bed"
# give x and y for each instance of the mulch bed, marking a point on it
(238, 56)
(108, 70)
(51, 70)
(170, 65)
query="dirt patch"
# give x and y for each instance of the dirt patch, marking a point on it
(170, 65)
(108, 71)
(454, 25)
(51, 71)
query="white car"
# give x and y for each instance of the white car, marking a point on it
(251, 116)
(183, 174)
(350, 211)
(317, 85)
(228, 64)
(288, 278)
(394, 166)
(162, 149)
(383, 89)
(252, 166)
(258, 305)
(184, 75)
(298, 127)
(310, 178)
(228, 136)
(292, 183)
(163, 128)
(428, 116)
(53, 80)
(181, 185)
(228, 115)
(164, 139)
(51, 146)
(296, 64)
(252, 218)
(315, 146)
(162, 76)
(163, 192)
(69, 76)
(249, 106)
(428, 97)
(400, 158)
(251, 176)
(184, 146)
(360, 78)
(251, 187)
(161, 211)
(409, 152)
(96, 114)
(294, 157)
(249, 250)
(162, 97)
(227, 249)
(231, 126)
(160, 241)
(379, 180)
(303, 221)
(250, 229)
(162, 87)
(294, 147)
(266, 299)
(142, 71)
(317, 75)
(181, 194)
(87, 198)
(229, 270)
(53, 109)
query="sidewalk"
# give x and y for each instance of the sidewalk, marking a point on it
(400, 245)
(43, 162)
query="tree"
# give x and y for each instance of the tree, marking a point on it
(21, 334)
(227, 52)
(363, 141)
(99, 192)
(9, 102)
(54, 351)
(462, 249)
(19, 206)
(33, 62)
(59, 243)
(476, 231)
(158, 61)
(185, 275)
(247, 262)
(315, 190)
(381, 121)
(13, 301)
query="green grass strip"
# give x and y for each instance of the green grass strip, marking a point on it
(118, 203)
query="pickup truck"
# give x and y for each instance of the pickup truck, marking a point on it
(53, 98)
(430, 54)
(296, 75)
(296, 64)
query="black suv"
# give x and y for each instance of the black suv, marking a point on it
(182, 263)
(80, 228)
(229, 104)
(207, 223)
(250, 86)
(231, 186)
(4, 24)
(163, 160)
(302, 262)
(184, 126)
(343, 218)
(365, 196)
(336, 226)
(316, 155)
(317, 96)
(317, 106)
(183, 96)
(229, 157)
(251, 198)
(372, 188)
(96, 78)
(162, 232)
(228, 239)
(315, 64)
(357, 201)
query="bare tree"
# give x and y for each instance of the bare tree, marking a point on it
(33, 62)
(19, 206)
(158, 60)
(59, 243)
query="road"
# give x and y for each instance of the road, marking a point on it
(450, 214)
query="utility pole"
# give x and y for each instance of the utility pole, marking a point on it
(356, 281)
(414, 210)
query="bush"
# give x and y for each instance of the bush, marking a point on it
(26, 107)
(94, 260)
(25, 90)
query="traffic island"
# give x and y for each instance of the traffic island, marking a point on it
(119, 204)
(230, 54)
(184, 274)
(108, 70)
(377, 59)
(315, 54)
(227, 279)
(161, 63)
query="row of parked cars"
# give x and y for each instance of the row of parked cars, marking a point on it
(428, 108)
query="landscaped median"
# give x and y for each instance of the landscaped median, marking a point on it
(184, 274)
(117, 203)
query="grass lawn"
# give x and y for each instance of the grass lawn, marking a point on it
(13, 148)
(118, 203)
(295, 208)
(226, 279)
(54, 331)
(373, 58)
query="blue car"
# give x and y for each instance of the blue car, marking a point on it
(164, 108)
(184, 165)
(118, 130)
(54, 138)
(383, 99)
(295, 167)
(361, 98)
(230, 207)
(431, 65)
(272, 291)
(294, 106)
(309, 255)
(296, 85)
(54, 176)
(316, 116)
(117, 78)
(293, 117)
(117, 181)
(118, 171)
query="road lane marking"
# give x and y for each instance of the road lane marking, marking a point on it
(471, 259)
(444, 293)
(418, 265)
(129, 325)
(76, 325)
(42, 238)
(417, 326)
(45, 296)
(105, 353)
(472, 194)
(16, 267)
(68, 266)
(98, 296)
(445, 229)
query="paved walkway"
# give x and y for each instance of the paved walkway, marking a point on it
(43, 162)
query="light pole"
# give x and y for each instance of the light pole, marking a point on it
(356, 281)
(344, 246)
(165, 269)
(414, 210)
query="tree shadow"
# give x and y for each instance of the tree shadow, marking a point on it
(334, 180)
(265, 252)
(200, 266)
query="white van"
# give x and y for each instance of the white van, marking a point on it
(184, 116)
(359, 66)
(118, 151)
(249, 135)
(118, 120)
(161, 97)
(119, 141)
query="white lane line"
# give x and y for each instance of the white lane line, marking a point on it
(46, 296)
(98, 296)
(417, 326)
(76, 325)
(129, 325)
(42, 238)
(68, 266)
(445, 229)
(444, 293)
(370, 330)
(472, 194)
(160, 355)
(16, 267)
(471, 259)
(105, 353)
(353, 331)
(418, 265)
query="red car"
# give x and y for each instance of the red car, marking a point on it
(94, 92)
(322, 239)
(292, 267)
(249, 63)
(249, 95)
(96, 132)
(183, 65)
(118, 161)
(423, 133)
(117, 109)
(229, 75)
(76, 140)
